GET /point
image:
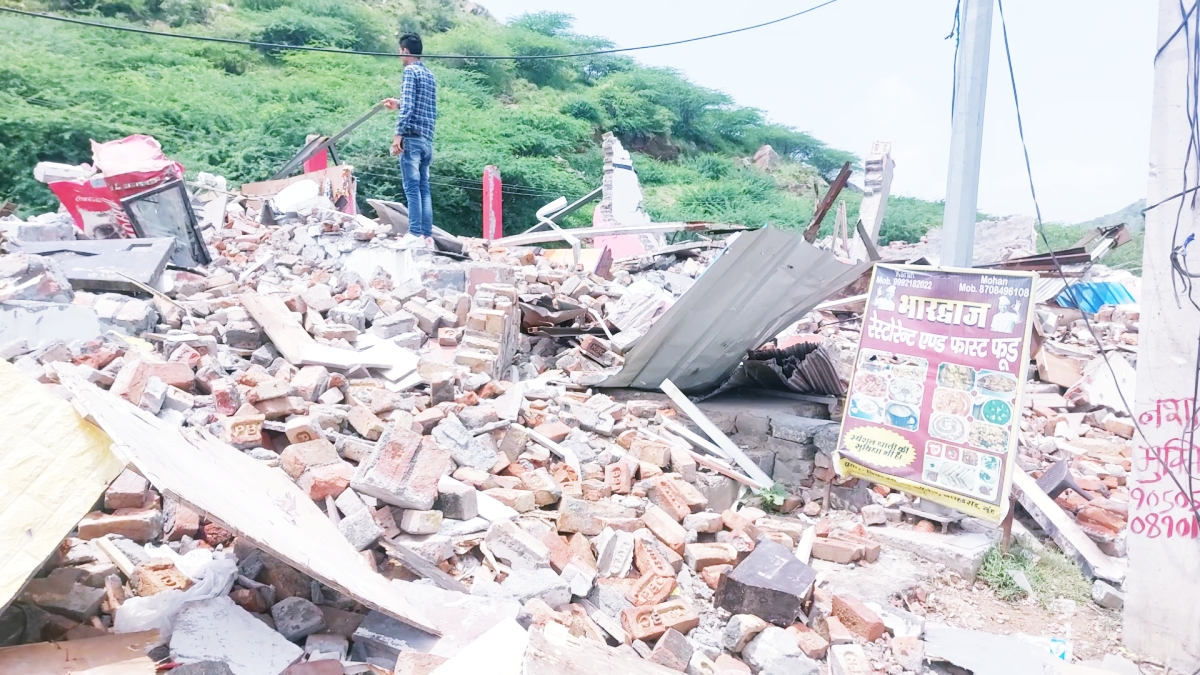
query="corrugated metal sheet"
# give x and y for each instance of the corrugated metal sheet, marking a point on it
(1094, 295)
(765, 281)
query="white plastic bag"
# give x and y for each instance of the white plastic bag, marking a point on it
(212, 572)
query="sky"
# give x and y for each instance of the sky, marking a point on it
(858, 71)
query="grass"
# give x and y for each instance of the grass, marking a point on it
(1051, 574)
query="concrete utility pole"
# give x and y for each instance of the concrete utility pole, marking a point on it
(966, 140)
(1162, 590)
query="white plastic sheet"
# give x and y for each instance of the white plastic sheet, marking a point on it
(212, 573)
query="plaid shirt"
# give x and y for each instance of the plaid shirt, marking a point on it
(418, 102)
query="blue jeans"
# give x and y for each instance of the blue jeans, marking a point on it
(414, 167)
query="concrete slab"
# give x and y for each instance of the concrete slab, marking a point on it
(984, 653)
(961, 553)
(40, 323)
(219, 630)
(94, 265)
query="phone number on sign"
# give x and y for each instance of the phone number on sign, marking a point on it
(1004, 290)
(912, 283)
(1159, 522)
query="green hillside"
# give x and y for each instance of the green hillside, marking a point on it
(242, 112)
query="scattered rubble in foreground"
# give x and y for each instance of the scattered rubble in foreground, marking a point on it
(432, 419)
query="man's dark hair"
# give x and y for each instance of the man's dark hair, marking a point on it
(411, 42)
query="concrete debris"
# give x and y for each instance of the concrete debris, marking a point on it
(438, 414)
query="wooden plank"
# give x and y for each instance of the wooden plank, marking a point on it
(288, 336)
(695, 439)
(593, 232)
(422, 567)
(119, 654)
(826, 203)
(115, 554)
(735, 453)
(1064, 531)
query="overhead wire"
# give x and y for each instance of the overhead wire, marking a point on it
(477, 57)
(1188, 492)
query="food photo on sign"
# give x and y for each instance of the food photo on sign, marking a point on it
(933, 400)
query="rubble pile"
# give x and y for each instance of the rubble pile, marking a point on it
(1074, 415)
(438, 429)
(442, 409)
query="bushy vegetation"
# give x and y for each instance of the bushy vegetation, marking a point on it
(1127, 257)
(242, 112)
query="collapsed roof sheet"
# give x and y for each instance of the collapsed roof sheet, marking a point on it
(764, 282)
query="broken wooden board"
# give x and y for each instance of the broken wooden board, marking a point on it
(123, 654)
(1064, 531)
(54, 466)
(295, 344)
(260, 504)
(688, 408)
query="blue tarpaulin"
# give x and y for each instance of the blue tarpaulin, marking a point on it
(1094, 295)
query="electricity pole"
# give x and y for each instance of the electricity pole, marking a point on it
(966, 140)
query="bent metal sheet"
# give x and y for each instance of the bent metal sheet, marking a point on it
(935, 399)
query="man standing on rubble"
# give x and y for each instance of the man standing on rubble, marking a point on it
(413, 142)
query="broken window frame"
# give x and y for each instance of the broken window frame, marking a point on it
(190, 250)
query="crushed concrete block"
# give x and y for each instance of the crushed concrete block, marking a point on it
(360, 528)
(774, 651)
(297, 618)
(516, 547)
(402, 471)
(62, 593)
(219, 630)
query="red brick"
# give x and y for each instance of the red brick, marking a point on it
(555, 431)
(736, 521)
(560, 552)
(658, 454)
(699, 556)
(667, 496)
(183, 522)
(728, 665)
(215, 535)
(711, 575)
(870, 548)
(836, 550)
(619, 477)
(1071, 500)
(650, 560)
(838, 633)
(666, 527)
(648, 623)
(329, 480)
(811, 643)
(1099, 520)
(300, 457)
(140, 525)
(858, 618)
(650, 589)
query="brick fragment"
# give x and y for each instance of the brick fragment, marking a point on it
(858, 618)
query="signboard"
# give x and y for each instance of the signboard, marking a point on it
(935, 400)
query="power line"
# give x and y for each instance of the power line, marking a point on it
(1192, 505)
(328, 50)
